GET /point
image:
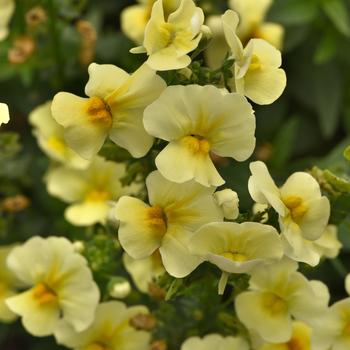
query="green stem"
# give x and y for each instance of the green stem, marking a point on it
(56, 43)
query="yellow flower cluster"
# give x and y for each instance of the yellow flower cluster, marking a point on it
(182, 221)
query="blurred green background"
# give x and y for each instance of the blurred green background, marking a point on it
(309, 125)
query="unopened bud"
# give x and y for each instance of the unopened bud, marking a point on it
(23, 47)
(159, 345)
(156, 292)
(15, 204)
(35, 17)
(120, 288)
(79, 246)
(228, 202)
(145, 322)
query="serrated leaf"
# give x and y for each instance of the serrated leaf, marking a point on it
(338, 12)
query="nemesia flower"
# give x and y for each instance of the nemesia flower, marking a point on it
(167, 41)
(236, 248)
(303, 211)
(50, 137)
(143, 271)
(215, 341)
(4, 113)
(333, 329)
(347, 283)
(328, 244)
(228, 201)
(8, 285)
(300, 340)
(114, 108)
(252, 23)
(135, 18)
(89, 191)
(196, 121)
(111, 330)
(167, 224)
(257, 72)
(7, 8)
(277, 294)
(59, 286)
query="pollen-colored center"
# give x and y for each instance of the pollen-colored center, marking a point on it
(57, 144)
(296, 206)
(97, 346)
(273, 303)
(196, 144)
(238, 257)
(156, 219)
(98, 111)
(255, 63)
(44, 295)
(97, 196)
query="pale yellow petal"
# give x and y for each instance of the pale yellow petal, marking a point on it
(104, 79)
(272, 33)
(4, 113)
(230, 22)
(81, 135)
(87, 213)
(138, 238)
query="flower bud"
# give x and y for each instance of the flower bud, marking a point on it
(143, 322)
(228, 201)
(120, 288)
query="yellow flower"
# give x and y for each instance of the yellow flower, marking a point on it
(168, 40)
(143, 271)
(228, 201)
(215, 341)
(236, 248)
(347, 283)
(277, 294)
(167, 224)
(88, 191)
(114, 108)
(7, 8)
(257, 72)
(303, 211)
(300, 340)
(8, 285)
(328, 244)
(252, 24)
(59, 286)
(111, 330)
(50, 137)
(333, 330)
(197, 121)
(4, 113)
(135, 18)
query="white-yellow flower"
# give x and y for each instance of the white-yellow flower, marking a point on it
(197, 121)
(111, 330)
(4, 114)
(328, 245)
(8, 285)
(167, 224)
(143, 271)
(228, 201)
(168, 40)
(333, 330)
(89, 191)
(252, 23)
(215, 341)
(257, 72)
(300, 340)
(59, 286)
(277, 294)
(50, 137)
(7, 7)
(135, 18)
(114, 108)
(303, 211)
(236, 248)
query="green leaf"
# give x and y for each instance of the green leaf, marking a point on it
(338, 13)
(327, 48)
(328, 99)
(292, 12)
(284, 143)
